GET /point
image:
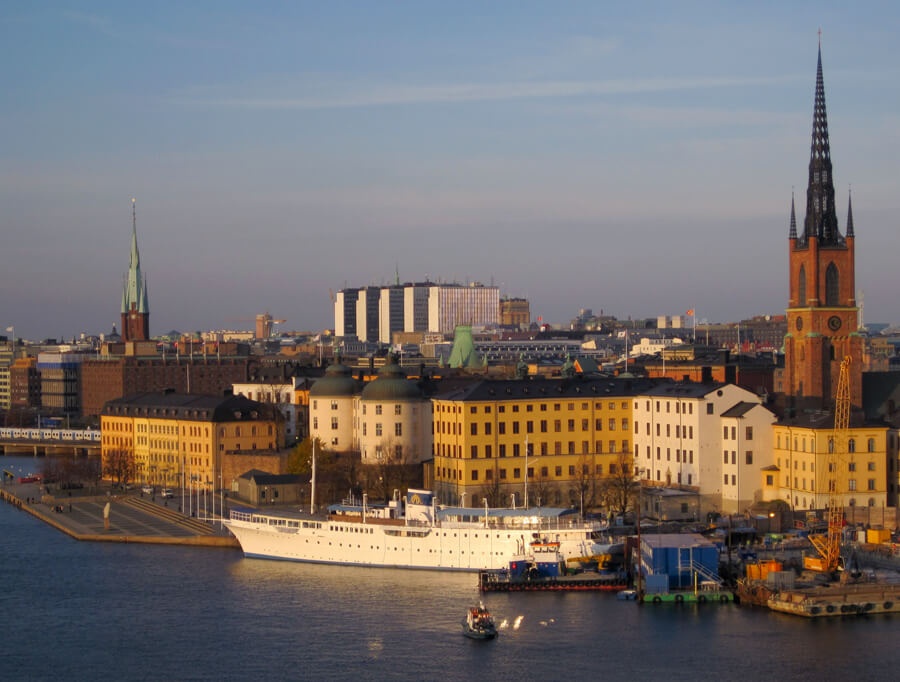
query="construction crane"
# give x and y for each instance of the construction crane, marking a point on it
(828, 546)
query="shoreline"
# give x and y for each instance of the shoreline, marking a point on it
(85, 513)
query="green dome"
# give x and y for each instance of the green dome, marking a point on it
(391, 386)
(338, 382)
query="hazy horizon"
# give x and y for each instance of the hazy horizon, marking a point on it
(638, 160)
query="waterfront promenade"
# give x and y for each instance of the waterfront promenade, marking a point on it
(132, 517)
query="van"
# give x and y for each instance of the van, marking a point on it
(167, 493)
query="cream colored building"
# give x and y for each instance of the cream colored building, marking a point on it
(811, 462)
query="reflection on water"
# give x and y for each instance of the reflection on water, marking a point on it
(135, 612)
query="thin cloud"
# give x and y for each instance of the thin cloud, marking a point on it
(474, 92)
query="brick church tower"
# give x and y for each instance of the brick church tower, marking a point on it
(823, 317)
(135, 309)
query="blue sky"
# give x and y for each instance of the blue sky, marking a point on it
(635, 158)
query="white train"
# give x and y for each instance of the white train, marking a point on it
(69, 435)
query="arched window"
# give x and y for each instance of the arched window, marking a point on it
(831, 285)
(801, 286)
(851, 445)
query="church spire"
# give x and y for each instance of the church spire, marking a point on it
(821, 219)
(793, 232)
(135, 306)
(850, 215)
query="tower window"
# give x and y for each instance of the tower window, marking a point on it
(801, 286)
(831, 285)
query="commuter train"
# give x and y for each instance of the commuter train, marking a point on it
(67, 435)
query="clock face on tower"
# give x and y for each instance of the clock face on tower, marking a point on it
(834, 323)
(799, 323)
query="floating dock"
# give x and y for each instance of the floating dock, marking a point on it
(837, 600)
(503, 581)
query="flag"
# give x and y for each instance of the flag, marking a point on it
(690, 313)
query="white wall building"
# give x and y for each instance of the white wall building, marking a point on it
(678, 431)
(283, 395)
(390, 313)
(451, 305)
(415, 307)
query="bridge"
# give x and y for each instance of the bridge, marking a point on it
(43, 442)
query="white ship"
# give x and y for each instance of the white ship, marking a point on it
(426, 536)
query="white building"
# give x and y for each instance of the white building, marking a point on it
(452, 305)
(746, 449)
(415, 307)
(374, 313)
(678, 440)
(282, 394)
(390, 313)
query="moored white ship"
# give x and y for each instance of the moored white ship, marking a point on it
(425, 536)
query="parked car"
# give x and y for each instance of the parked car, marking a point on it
(147, 490)
(167, 493)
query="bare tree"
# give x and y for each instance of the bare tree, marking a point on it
(619, 488)
(119, 466)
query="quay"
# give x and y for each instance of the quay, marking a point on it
(132, 518)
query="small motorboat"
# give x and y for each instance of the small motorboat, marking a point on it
(478, 623)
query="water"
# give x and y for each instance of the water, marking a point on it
(99, 611)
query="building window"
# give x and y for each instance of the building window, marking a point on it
(515, 427)
(398, 409)
(473, 429)
(502, 473)
(378, 409)
(378, 429)
(748, 457)
(334, 423)
(529, 426)
(832, 285)
(474, 452)
(501, 450)
(749, 433)
(709, 410)
(398, 429)
(543, 426)
(501, 428)
(474, 474)
(487, 451)
(487, 428)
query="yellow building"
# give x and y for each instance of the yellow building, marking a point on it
(172, 440)
(809, 461)
(576, 432)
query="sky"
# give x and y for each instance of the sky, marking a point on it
(633, 158)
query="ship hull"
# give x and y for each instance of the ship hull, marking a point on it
(443, 548)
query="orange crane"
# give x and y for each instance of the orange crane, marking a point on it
(828, 545)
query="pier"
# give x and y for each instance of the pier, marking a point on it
(131, 518)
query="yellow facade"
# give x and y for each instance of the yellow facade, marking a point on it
(811, 462)
(576, 441)
(175, 445)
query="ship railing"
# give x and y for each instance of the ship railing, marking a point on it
(241, 516)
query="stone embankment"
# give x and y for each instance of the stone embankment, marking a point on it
(131, 518)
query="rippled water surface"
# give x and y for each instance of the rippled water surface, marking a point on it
(97, 611)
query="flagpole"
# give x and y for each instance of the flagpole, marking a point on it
(312, 490)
